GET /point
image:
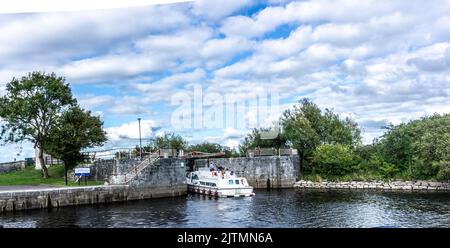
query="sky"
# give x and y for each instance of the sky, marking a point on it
(378, 62)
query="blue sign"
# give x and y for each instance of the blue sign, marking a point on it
(82, 172)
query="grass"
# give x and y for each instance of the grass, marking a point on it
(31, 176)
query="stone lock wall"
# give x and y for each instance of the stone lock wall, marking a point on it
(378, 185)
(166, 172)
(12, 166)
(261, 172)
(73, 196)
(103, 169)
(165, 178)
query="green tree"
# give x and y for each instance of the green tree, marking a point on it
(255, 139)
(207, 147)
(415, 146)
(31, 109)
(173, 141)
(334, 159)
(77, 129)
(307, 127)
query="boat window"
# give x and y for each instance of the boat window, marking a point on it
(202, 183)
(230, 182)
(194, 176)
(213, 184)
(236, 181)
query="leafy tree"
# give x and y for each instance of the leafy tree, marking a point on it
(254, 140)
(334, 160)
(443, 170)
(31, 109)
(76, 129)
(416, 146)
(307, 127)
(231, 153)
(173, 141)
(207, 147)
(303, 137)
(397, 146)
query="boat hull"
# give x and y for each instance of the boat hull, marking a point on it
(221, 192)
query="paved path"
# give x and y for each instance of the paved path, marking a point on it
(24, 187)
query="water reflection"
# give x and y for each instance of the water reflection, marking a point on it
(276, 208)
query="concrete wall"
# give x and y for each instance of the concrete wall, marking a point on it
(12, 166)
(165, 178)
(376, 185)
(103, 169)
(261, 172)
(166, 172)
(72, 196)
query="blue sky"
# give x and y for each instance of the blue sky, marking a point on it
(377, 62)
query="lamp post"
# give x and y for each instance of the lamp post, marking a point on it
(140, 140)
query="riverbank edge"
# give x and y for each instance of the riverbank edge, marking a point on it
(20, 200)
(376, 185)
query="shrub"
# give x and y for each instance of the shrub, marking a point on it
(336, 160)
(385, 169)
(443, 170)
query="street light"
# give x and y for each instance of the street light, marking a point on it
(140, 140)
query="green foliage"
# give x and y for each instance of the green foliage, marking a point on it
(77, 129)
(254, 140)
(31, 108)
(209, 147)
(307, 127)
(173, 141)
(31, 176)
(415, 146)
(206, 147)
(387, 170)
(334, 159)
(443, 170)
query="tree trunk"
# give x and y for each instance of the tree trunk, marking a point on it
(42, 162)
(65, 173)
(301, 163)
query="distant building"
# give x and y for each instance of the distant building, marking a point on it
(48, 160)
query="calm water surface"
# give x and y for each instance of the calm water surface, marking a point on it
(276, 208)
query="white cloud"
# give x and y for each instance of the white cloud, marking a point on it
(90, 102)
(77, 34)
(130, 130)
(214, 10)
(365, 59)
(216, 51)
(19, 151)
(111, 67)
(130, 105)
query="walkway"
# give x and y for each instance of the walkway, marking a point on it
(24, 187)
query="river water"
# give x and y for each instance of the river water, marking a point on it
(275, 208)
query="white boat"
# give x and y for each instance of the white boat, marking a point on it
(218, 183)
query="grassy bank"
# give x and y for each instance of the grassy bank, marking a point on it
(30, 176)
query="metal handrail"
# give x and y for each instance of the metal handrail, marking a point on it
(138, 168)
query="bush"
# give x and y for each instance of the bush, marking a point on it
(443, 170)
(423, 170)
(385, 169)
(336, 160)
